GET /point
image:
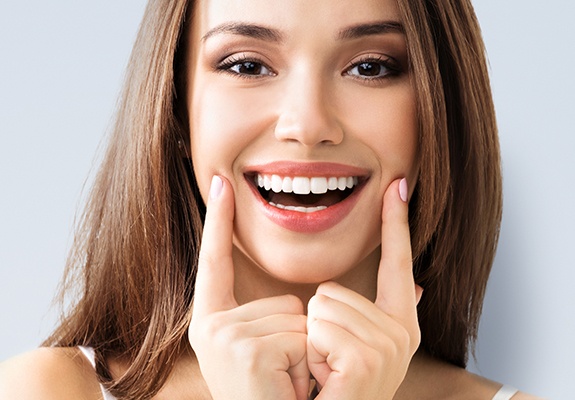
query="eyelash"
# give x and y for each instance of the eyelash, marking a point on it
(388, 63)
(228, 63)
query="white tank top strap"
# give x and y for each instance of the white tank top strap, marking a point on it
(91, 357)
(505, 393)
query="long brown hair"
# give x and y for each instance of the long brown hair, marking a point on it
(131, 269)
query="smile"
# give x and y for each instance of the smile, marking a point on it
(304, 194)
(306, 197)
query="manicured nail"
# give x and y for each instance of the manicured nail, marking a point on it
(216, 187)
(403, 190)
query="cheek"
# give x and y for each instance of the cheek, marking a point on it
(222, 125)
(387, 124)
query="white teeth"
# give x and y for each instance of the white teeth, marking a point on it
(298, 209)
(331, 183)
(276, 183)
(318, 185)
(287, 185)
(349, 182)
(303, 185)
(267, 182)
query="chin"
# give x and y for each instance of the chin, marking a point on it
(311, 264)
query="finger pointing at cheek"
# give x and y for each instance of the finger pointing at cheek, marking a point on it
(251, 351)
(214, 290)
(396, 292)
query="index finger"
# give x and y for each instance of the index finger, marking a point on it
(395, 283)
(214, 288)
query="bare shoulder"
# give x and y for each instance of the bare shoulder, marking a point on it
(49, 373)
(432, 379)
(525, 396)
(484, 388)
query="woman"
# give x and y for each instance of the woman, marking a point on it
(306, 128)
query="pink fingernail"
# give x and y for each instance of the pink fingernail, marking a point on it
(403, 190)
(216, 187)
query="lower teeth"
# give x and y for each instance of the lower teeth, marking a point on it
(298, 209)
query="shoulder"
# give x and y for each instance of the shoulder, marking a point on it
(49, 373)
(483, 388)
(525, 396)
(429, 378)
(470, 384)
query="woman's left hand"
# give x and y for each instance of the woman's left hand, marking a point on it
(358, 349)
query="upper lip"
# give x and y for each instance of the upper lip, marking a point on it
(307, 169)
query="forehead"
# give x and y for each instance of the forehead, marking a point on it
(310, 16)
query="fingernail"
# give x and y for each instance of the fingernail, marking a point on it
(216, 187)
(403, 190)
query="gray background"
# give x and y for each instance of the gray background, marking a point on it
(61, 66)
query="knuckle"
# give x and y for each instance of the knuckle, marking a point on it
(327, 287)
(404, 342)
(372, 361)
(252, 351)
(404, 339)
(363, 365)
(391, 348)
(301, 323)
(317, 329)
(214, 327)
(415, 339)
(293, 304)
(317, 302)
(230, 334)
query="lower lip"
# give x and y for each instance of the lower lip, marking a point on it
(314, 222)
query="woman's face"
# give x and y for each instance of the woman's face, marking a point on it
(307, 108)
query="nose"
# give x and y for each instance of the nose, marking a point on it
(307, 114)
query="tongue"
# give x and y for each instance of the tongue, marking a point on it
(312, 200)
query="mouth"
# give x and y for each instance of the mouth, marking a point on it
(304, 194)
(306, 197)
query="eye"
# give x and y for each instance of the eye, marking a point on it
(373, 68)
(245, 67)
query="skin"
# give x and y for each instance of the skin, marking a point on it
(307, 101)
(264, 316)
(311, 110)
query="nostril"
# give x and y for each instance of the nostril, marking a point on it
(309, 128)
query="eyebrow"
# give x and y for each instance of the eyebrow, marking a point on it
(273, 35)
(375, 28)
(245, 29)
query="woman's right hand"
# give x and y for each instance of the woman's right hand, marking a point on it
(251, 351)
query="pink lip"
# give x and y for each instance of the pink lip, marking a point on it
(307, 222)
(309, 169)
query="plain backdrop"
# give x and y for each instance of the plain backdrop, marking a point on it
(61, 67)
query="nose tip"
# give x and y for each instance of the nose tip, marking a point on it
(308, 120)
(291, 128)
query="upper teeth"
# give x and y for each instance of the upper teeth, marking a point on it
(305, 185)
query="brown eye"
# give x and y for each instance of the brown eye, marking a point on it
(249, 68)
(369, 69)
(246, 68)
